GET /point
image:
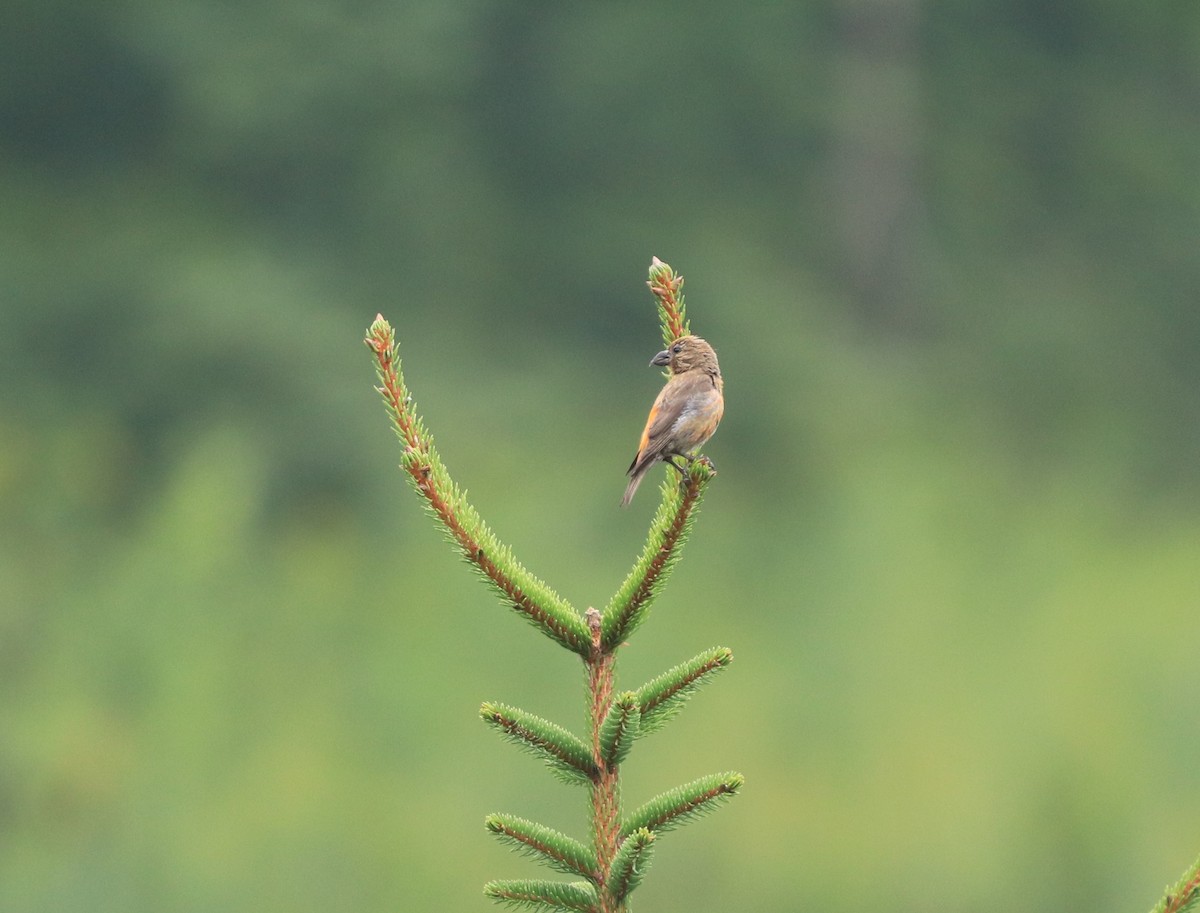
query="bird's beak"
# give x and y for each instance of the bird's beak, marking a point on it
(662, 359)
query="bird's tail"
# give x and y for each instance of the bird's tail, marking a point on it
(635, 479)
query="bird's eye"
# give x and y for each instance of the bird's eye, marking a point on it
(677, 348)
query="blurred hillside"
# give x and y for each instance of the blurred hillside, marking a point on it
(947, 254)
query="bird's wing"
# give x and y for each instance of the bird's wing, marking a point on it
(667, 408)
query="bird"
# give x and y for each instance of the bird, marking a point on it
(686, 412)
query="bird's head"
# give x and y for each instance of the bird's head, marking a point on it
(688, 353)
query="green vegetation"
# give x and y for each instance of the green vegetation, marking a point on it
(621, 845)
(949, 259)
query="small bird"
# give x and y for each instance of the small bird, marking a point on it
(686, 412)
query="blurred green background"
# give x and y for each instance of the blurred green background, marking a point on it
(948, 254)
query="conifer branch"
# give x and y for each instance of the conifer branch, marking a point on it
(630, 864)
(528, 595)
(684, 803)
(1185, 896)
(619, 729)
(667, 286)
(546, 844)
(668, 531)
(568, 756)
(673, 521)
(662, 698)
(577, 896)
(606, 787)
(620, 852)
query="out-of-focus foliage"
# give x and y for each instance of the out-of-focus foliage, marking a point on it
(947, 252)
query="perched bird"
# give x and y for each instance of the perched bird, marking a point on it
(687, 411)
